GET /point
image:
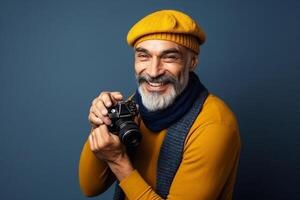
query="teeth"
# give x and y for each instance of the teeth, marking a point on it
(155, 84)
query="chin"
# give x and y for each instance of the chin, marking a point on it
(155, 100)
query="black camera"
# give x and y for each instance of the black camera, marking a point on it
(122, 118)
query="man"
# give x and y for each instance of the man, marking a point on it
(190, 146)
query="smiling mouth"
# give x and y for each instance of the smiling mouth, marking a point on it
(156, 84)
(156, 87)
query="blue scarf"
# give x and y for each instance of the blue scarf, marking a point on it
(162, 119)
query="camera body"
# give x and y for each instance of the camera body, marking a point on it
(122, 117)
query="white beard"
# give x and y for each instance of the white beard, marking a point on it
(154, 101)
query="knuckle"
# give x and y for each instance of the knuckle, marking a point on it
(98, 112)
(101, 118)
(94, 101)
(101, 146)
(105, 144)
(99, 104)
(106, 99)
(94, 149)
(116, 93)
(93, 121)
(106, 141)
(99, 121)
(96, 121)
(102, 93)
(92, 117)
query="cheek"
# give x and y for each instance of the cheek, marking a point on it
(177, 71)
(139, 67)
(181, 74)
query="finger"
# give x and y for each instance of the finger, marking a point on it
(91, 143)
(94, 101)
(94, 109)
(137, 120)
(117, 96)
(103, 135)
(102, 112)
(94, 120)
(101, 108)
(97, 137)
(107, 100)
(112, 138)
(104, 131)
(106, 121)
(95, 140)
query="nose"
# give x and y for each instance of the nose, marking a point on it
(155, 69)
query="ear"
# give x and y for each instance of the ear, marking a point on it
(194, 62)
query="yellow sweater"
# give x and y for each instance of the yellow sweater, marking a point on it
(207, 171)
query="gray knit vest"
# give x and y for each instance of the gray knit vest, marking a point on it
(170, 154)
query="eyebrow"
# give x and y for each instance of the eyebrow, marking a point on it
(171, 50)
(140, 49)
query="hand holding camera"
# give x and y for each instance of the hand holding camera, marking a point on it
(98, 112)
(119, 117)
(108, 114)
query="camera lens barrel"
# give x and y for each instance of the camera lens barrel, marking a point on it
(129, 132)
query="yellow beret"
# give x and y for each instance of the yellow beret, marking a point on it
(168, 25)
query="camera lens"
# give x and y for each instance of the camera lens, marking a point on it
(129, 133)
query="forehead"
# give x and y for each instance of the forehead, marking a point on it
(158, 46)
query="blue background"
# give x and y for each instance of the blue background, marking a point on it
(56, 56)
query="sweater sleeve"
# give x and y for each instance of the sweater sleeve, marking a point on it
(94, 175)
(210, 157)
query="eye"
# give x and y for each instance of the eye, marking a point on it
(143, 55)
(170, 57)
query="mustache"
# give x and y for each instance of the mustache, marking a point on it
(159, 79)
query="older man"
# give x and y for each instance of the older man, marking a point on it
(190, 146)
